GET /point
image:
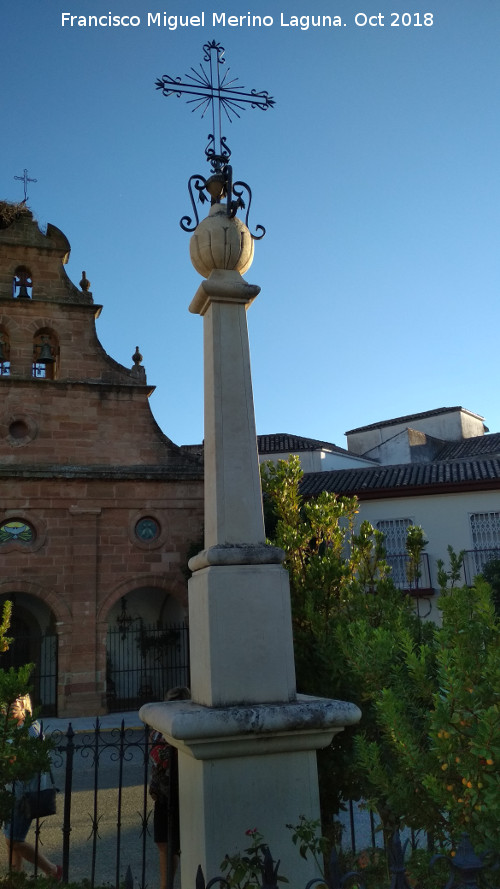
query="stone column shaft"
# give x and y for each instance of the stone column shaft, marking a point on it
(233, 500)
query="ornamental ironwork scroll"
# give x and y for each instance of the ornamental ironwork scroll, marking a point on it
(210, 90)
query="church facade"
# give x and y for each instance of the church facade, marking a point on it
(98, 508)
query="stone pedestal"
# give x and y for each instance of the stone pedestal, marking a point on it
(247, 767)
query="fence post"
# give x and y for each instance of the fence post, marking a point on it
(465, 867)
(396, 851)
(68, 784)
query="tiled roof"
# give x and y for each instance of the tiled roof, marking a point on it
(471, 447)
(283, 443)
(397, 420)
(424, 476)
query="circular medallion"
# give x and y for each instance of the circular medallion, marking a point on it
(18, 530)
(147, 529)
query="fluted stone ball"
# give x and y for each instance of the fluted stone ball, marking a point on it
(221, 243)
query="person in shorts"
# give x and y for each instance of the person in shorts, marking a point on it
(16, 830)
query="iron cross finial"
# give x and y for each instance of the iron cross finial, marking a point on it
(25, 178)
(212, 89)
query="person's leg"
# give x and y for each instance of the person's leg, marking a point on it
(29, 853)
(14, 858)
(162, 858)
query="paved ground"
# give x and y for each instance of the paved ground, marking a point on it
(87, 723)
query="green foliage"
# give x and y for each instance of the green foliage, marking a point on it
(352, 627)
(427, 751)
(465, 720)
(491, 573)
(307, 837)
(252, 868)
(436, 762)
(20, 755)
(415, 545)
(246, 870)
(452, 576)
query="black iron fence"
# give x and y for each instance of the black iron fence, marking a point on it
(465, 869)
(102, 832)
(143, 662)
(101, 829)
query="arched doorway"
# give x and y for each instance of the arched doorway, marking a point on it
(35, 642)
(147, 648)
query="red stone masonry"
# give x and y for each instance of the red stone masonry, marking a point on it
(81, 459)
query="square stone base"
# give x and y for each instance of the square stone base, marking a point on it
(241, 635)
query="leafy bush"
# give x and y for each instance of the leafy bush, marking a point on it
(427, 751)
(20, 755)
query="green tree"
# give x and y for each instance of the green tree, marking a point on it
(344, 608)
(20, 755)
(448, 751)
(427, 751)
(491, 573)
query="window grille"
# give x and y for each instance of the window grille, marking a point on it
(395, 531)
(485, 530)
(39, 369)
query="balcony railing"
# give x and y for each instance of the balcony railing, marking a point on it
(400, 564)
(475, 560)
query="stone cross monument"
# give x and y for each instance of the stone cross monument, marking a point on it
(247, 742)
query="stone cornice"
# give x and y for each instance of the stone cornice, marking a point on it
(307, 723)
(70, 384)
(177, 471)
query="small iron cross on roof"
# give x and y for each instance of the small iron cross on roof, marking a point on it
(213, 90)
(25, 178)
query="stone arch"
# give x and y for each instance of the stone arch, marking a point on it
(55, 602)
(166, 584)
(147, 644)
(22, 283)
(35, 641)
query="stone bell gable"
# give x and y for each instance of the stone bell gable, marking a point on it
(63, 398)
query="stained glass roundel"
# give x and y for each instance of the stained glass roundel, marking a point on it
(16, 529)
(147, 529)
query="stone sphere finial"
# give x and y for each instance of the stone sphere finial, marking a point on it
(137, 357)
(219, 242)
(85, 283)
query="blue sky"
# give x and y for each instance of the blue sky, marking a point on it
(376, 176)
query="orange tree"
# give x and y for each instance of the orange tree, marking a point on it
(450, 758)
(427, 750)
(343, 600)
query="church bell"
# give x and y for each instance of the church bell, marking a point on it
(45, 355)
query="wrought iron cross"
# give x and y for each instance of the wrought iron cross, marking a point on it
(211, 89)
(25, 178)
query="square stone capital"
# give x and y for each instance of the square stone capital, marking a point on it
(223, 285)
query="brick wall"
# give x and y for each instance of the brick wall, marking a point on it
(81, 461)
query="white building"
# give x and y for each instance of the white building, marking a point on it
(439, 469)
(446, 479)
